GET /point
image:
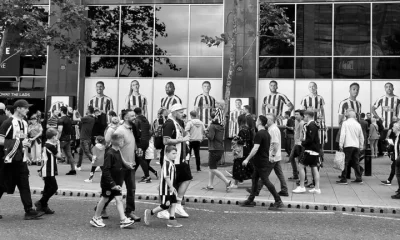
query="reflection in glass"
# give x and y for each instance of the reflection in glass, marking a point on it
(314, 67)
(386, 29)
(32, 84)
(136, 67)
(386, 68)
(276, 67)
(276, 47)
(172, 36)
(170, 67)
(201, 18)
(8, 86)
(205, 67)
(352, 68)
(314, 30)
(137, 30)
(105, 39)
(31, 66)
(101, 67)
(352, 30)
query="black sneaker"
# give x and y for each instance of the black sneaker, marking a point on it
(386, 183)
(1, 217)
(145, 180)
(342, 182)
(47, 210)
(133, 217)
(311, 185)
(283, 194)
(33, 214)
(71, 172)
(293, 178)
(248, 203)
(276, 206)
(357, 181)
(397, 196)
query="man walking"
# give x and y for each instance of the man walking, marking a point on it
(263, 165)
(86, 135)
(311, 145)
(14, 170)
(351, 141)
(297, 149)
(143, 126)
(289, 133)
(65, 130)
(195, 127)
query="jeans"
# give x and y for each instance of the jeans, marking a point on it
(263, 173)
(66, 147)
(14, 174)
(195, 145)
(279, 173)
(392, 171)
(397, 168)
(84, 148)
(142, 161)
(289, 143)
(50, 188)
(352, 155)
(296, 152)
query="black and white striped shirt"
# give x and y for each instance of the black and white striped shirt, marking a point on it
(233, 122)
(350, 104)
(204, 104)
(139, 101)
(49, 166)
(313, 103)
(389, 108)
(14, 129)
(57, 106)
(274, 103)
(168, 172)
(103, 103)
(168, 101)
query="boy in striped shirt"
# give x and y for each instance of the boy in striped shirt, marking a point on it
(167, 191)
(49, 171)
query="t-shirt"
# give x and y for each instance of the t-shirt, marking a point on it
(169, 130)
(262, 156)
(49, 167)
(14, 129)
(275, 134)
(128, 150)
(87, 127)
(290, 123)
(66, 123)
(168, 172)
(52, 121)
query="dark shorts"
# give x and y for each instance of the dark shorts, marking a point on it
(108, 193)
(213, 158)
(309, 160)
(183, 173)
(167, 200)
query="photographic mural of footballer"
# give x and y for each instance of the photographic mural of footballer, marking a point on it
(389, 105)
(204, 103)
(136, 99)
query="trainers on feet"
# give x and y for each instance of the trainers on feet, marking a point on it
(88, 180)
(386, 183)
(315, 191)
(283, 194)
(133, 217)
(357, 181)
(126, 223)
(180, 211)
(163, 215)
(276, 206)
(72, 172)
(174, 224)
(299, 190)
(97, 222)
(104, 214)
(145, 180)
(78, 168)
(248, 203)
(233, 186)
(342, 182)
(146, 216)
(397, 196)
(33, 214)
(48, 210)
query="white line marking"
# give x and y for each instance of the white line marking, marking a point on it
(320, 213)
(199, 209)
(368, 216)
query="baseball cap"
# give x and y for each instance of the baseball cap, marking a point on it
(2, 106)
(21, 103)
(177, 107)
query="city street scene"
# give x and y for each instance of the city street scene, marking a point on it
(199, 119)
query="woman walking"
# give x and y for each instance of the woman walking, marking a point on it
(374, 137)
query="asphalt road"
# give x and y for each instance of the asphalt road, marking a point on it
(207, 221)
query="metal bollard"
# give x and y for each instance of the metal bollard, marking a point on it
(368, 162)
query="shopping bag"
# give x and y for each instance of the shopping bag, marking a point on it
(338, 162)
(240, 172)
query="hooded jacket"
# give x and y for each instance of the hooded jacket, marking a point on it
(99, 151)
(215, 137)
(195, 127)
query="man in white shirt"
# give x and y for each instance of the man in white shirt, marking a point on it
(351, 141)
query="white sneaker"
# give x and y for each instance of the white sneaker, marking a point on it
(233, 186)
(97, 222)
(180, 211)
(299, 190)
(163, 215)
(98, 169)
(126, 223)
(315, 191)
(78, 168)
(88, 180)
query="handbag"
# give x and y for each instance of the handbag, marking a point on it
(338, 162)
(240, 172)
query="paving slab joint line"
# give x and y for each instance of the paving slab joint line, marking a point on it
(236, 201)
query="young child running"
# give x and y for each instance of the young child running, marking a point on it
(111, 183)
(168, 193)
(48, 171)
(98, 151)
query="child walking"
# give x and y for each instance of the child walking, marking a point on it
(111, 183)
(49, 171)
(167, 191)
(98, 151)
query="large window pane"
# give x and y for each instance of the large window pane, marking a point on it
(32, 84)
(136, 67)
(386, 29)
(201, 18)
(105, 39)
(101, 67)
(137, 30)
(170, 67)
(386, 68)
(276, 67)
(314, 67)
(314, 30)
(172, 36)
(275, 47)
(8, 86)
(352, 68)
(205, 67)
(31, 66)
(352, 30)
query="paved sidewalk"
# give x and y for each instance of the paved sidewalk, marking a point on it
(354, 197)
